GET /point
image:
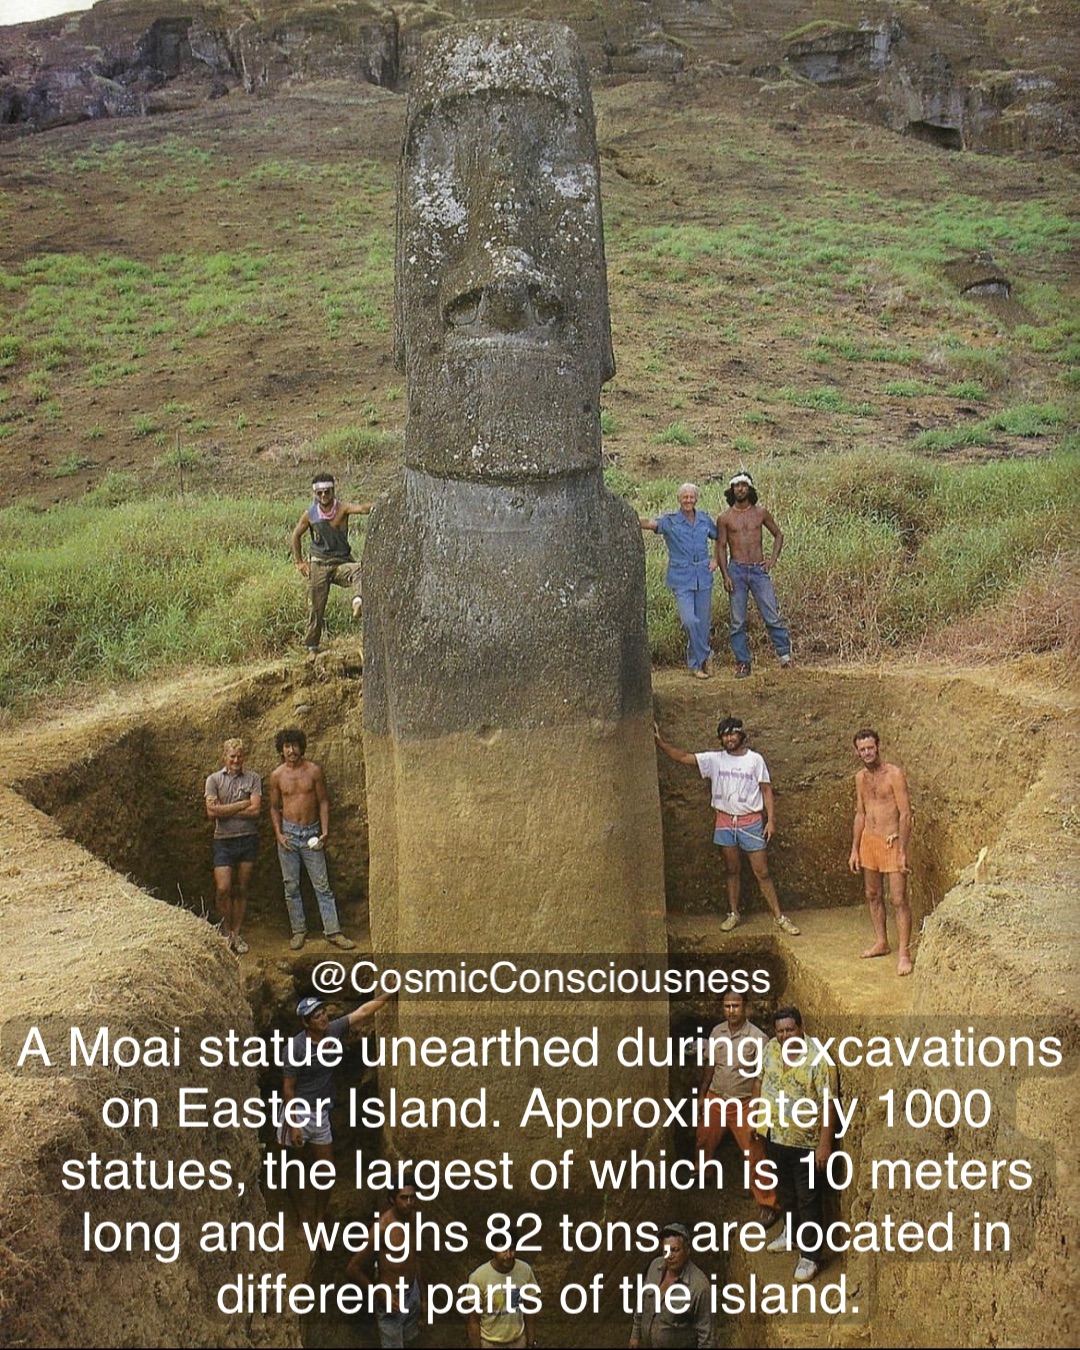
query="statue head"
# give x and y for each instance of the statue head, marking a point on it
(501, 313)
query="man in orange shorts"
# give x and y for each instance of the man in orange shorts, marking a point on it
(879, 845)
(730, 1080)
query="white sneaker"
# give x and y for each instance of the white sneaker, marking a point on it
(730, 923)
(779, 1244)
(805, 1270)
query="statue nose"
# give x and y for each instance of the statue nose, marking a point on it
(505, 291)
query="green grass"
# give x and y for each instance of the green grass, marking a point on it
(829, 399)
(88, 609)
(676, 433)
(357, 446)
(881, 551)
(1025, 420)
(73, 464)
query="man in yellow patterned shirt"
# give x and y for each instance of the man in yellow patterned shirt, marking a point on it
(792, 1069)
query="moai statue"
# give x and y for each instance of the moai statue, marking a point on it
(511, 774)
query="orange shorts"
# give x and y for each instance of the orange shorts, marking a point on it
(878, 856)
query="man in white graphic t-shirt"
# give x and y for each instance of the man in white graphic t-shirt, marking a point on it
(742, 798)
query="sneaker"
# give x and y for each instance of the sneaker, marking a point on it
(779, 1244)
(767, 1216)
(357, 606)
(730, 923)
(239, 946)
(700, 673)
(296, 942)
(786, 662)
(742, 672)
(786, 926)
(340, 941)
(805, 1270)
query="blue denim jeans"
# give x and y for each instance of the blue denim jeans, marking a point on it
(695, 615)
(397, 1329)
(314, 862)
(752, 579)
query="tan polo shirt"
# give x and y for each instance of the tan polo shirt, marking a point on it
(729, 1053)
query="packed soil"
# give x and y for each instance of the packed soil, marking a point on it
(995, 859)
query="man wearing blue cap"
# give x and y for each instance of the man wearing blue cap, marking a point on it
(308, 1089)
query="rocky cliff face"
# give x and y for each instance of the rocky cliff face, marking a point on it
(965, 76)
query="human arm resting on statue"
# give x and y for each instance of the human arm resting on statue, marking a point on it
(679, 756)
(647, 523)
(368, 1009)
(778, 541)
(301, 528)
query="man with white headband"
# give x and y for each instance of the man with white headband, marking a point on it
(331, 562)
(747, 570)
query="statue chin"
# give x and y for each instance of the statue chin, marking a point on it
(504, 411)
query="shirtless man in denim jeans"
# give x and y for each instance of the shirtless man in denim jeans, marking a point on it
(747, 571)
(300, 812)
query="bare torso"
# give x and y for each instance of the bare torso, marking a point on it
(294, 790)
(879, 793)
(393, 1268)
(740, 528)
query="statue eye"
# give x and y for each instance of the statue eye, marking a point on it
(546, 307)
(463, 311)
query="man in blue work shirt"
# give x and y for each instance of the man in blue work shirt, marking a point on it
(687, 533)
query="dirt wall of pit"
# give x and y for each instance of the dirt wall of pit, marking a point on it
(1004, 951)
(131, 792)
(990, 767)
(969, 753)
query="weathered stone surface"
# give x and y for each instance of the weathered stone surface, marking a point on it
(1014, 77)
(512, 792)
(502, 330)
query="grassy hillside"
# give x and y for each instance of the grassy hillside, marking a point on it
(195, 312)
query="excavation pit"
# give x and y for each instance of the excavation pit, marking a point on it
(118, 791)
